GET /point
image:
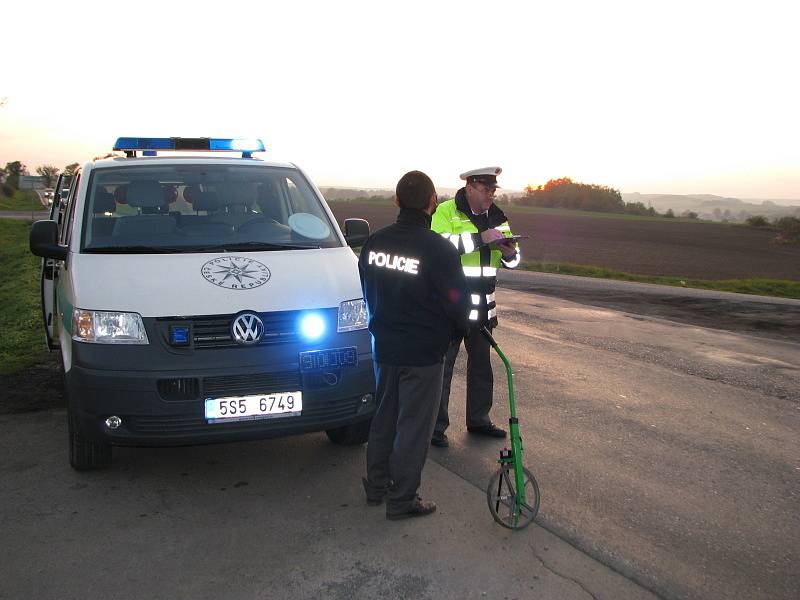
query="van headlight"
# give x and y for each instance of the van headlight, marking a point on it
(105, 327)
(352, 315)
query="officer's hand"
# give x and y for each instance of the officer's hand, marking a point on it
(509, 248)
(490, 235)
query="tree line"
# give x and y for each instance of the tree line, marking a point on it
(10, 174)
(565, 193)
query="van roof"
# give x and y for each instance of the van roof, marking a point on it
(119, 161)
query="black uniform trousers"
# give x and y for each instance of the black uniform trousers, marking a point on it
(480, 380)
(401, 429)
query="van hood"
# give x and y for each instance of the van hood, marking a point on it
(156, 285)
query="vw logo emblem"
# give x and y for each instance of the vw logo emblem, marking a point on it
(247, 329)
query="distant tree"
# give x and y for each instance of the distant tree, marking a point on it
(13, 171)
(49, 172)
(689, 214)
(636, 208)
(717, 212)
(565, 193)
(757, 221)
(669, 214)
(788, 230)
(71, 168)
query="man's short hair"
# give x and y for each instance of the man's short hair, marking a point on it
(414, 190)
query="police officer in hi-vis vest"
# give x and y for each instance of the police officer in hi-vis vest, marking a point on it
(476, 227)
(417, 301)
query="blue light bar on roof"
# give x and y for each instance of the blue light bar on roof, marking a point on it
(245, 146)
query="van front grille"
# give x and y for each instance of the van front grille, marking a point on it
(257, 383)
(179, 388)
(214, 331)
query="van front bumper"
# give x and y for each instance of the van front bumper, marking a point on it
(155, 407)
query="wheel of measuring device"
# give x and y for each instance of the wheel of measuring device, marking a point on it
(501, 495)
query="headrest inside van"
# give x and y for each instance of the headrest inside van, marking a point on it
(145, 194)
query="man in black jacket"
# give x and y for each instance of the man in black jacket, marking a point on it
(416, 295)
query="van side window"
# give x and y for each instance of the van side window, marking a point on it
(66, 223)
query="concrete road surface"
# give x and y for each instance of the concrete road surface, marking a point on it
(276, 519)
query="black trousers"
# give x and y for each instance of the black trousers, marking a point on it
(400, 435)
(480, 381)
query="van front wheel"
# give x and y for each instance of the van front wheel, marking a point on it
(85, 455)
(350, 435)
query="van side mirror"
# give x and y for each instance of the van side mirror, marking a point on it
(356, 232)
(44, 241)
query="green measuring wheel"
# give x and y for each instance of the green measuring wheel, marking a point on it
(509, 508)
(513, 492)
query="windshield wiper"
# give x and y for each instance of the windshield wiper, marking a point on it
(137, 250)
(256, 246)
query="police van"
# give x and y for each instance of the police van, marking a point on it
(197, 297)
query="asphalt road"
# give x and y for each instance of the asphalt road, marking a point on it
(21, 215)
(664, 449)
(668, 455)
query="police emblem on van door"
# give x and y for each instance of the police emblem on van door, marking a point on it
(236, 272)
(247, 328)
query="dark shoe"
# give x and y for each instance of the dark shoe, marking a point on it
(490, 430)
(419, 508)
(375, 495)
(439, 438)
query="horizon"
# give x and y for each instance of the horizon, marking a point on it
(501, 191)
(628, 96)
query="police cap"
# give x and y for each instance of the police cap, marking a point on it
(485, 175)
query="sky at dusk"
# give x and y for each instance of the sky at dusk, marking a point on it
(673, 98)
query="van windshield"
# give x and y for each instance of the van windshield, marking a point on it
(203, 208)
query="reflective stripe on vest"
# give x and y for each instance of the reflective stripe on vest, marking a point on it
(514, 261)
(480, 271)
(466, 241)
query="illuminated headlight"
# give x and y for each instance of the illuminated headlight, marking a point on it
(352, 315)
(312, 326)
(103, 327)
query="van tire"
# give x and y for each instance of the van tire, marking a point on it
(85, 455)
(350, 435)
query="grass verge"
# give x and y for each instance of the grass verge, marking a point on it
(778, 288)
(22, 200)
(22, 343)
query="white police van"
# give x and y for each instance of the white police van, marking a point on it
(198, 298)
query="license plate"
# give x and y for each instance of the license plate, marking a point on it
(329, 359)
(246, 408)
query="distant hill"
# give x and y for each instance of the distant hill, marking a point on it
(717, 208)
(348, 193)
(707, 206)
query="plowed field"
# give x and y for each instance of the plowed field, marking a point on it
(642, 247)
